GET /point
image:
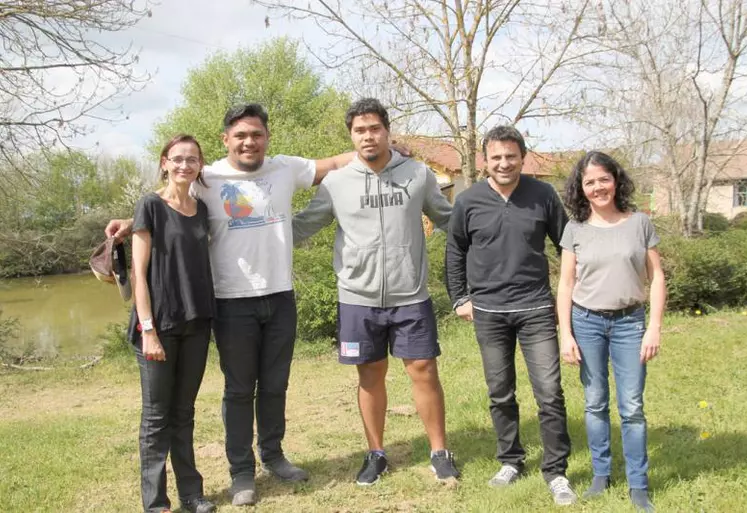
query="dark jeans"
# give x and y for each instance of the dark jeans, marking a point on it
(167, 424)
(255, 338)
(497, 334)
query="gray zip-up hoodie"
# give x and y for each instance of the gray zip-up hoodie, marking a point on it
(380, 255)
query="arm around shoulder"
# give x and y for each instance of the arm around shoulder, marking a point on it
(436, 206)
(318, 214)
(325, 165)
(119, 229)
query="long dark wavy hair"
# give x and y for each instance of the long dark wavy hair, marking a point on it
(574, 198)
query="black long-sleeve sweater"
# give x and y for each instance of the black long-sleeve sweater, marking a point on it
(495, 251)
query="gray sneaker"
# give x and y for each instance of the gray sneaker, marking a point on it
(599, 485)
(641, 501)
(285, 470)
(561, 491)
(507, 475)
(243, 491)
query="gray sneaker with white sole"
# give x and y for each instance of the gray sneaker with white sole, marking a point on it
(561, 491)
(507, 475)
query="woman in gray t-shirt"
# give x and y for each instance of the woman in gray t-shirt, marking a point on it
(609, 255)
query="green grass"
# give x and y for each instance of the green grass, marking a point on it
(68, 438)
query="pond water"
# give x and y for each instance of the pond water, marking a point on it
(62, 315)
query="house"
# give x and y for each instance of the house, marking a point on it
(728, 196)
(445, 161)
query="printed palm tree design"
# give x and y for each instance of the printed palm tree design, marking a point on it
(269, 211)
(235, 204)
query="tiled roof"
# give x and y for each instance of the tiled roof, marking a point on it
(730, 156)
(440, 153)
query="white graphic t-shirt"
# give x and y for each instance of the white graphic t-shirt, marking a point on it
(251, 242)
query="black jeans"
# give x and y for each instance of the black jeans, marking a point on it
(255, 338)
(167, 424)
(497, 334)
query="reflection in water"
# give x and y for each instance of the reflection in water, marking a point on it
(64, 314)
(23, 300)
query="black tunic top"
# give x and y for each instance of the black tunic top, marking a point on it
(495, 251)
(179, 278)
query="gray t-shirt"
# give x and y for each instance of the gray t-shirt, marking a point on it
(610, 261)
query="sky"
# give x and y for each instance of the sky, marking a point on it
(179, 36)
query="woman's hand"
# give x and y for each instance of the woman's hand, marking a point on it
(651, 344)
(152, 348)
(570, 351)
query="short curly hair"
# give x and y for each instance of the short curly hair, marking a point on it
(575, 199)
(367, 106)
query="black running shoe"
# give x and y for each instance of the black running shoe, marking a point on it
(442, 464)
(373, 466)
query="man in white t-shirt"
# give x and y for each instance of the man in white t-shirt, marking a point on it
(248, 196)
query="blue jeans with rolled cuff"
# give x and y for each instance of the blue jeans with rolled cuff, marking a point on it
(604, 337)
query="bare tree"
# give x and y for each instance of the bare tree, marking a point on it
(454, 65)
(55, 71)
(674, 86)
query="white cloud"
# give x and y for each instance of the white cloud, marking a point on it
(179, 36)
(182, 33)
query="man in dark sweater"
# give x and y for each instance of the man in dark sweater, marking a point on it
(498, 277)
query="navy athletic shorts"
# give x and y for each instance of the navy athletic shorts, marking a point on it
(367, 333)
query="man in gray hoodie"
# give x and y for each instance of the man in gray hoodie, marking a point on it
(381, 264)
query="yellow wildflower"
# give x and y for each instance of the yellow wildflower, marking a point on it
(702, 404)
(705, 435)
(698, 312)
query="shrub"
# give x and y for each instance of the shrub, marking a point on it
(34, 252)
(667, 224)
(116, 344)
(739, 222)
(708, 272)
(436, 246)
(715, 223)
(315, 284)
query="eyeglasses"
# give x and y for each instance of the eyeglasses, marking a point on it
(190, 161)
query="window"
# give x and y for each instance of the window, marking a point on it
(740, 193)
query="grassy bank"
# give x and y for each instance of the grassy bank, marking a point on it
(68, 438)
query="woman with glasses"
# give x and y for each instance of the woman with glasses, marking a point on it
(170, 324)
(609, 256)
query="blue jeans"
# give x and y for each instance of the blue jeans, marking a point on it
(601, 339)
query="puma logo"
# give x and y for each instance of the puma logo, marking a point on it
(381, 200)
(395, 185)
